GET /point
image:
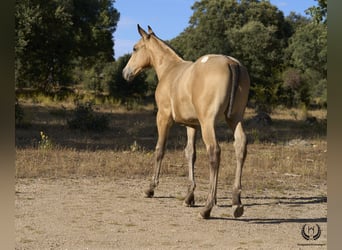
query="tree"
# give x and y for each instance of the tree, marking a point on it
(307, 52)
(260, 50)
(295, 90)
(120, 88)
(308, 48)
(43, 44)
(52, 37)
(254, 31)
(95, 23)
(305, 68)
(295, 21)
(319, 13)
(208, 24)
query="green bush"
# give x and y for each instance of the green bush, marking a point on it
(120, 88)
(21, 118)
(84, 118)
(19, 114)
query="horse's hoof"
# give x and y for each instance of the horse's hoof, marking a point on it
(189, 204)
(205, 214)
(148, 193)
(189, 200)
(237, 210)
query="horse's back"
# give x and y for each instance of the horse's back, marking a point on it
(200, 89)
(212, 85)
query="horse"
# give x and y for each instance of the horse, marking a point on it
(195, 94)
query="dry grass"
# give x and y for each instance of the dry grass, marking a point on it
(288, 154)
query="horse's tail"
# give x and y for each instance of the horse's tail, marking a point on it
(235, 72)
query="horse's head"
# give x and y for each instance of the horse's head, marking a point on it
(141, 57)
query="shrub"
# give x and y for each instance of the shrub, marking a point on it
(120, 88)
(84, 118)
(45, 142)
(21, 117)
(19, 114)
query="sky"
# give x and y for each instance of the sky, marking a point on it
(168, 18)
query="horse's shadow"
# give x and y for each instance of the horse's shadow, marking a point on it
(291, 201)
(271, 201)
(273, 220)
(267, 201)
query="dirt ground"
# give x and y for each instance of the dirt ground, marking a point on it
(107, 213)
(85, 192)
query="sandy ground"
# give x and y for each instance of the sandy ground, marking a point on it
(103, 213)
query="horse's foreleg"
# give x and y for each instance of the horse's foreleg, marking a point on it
(190, 154)
(214, 153)
(163, 125)
(240, 145)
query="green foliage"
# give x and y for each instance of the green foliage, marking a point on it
(292, 78)
(19, 114)
(319, 13)
(260, 50)
(307, 52)
(98, 77)
(151, 81)
(84, 118)
(120, 88)
(45, 143)
(295, 88)
(308, 48)
(52, 37)
(22, 119)
(295, 21)
(256, 32)
(70, 42)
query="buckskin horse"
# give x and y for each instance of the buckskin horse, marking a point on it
(192, 94)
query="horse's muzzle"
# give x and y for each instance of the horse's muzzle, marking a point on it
(127, 74)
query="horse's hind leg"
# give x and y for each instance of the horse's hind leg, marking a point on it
(190, 154)
(240, 145)
(214, 153)
(164, 123)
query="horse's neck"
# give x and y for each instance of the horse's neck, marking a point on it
(163, 65)
(164, 58)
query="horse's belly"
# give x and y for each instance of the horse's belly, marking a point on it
(184, 112)
(191, 121)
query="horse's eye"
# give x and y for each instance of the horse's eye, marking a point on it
(135, 49)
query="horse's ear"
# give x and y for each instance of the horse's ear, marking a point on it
(150, 31)
(143, 33)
